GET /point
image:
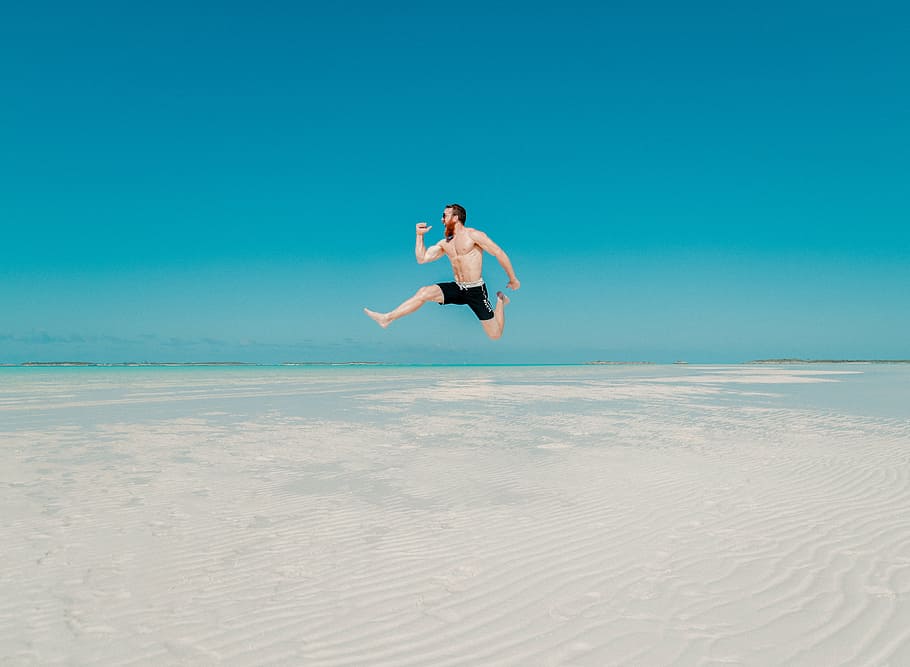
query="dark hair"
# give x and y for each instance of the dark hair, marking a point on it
(459, 212)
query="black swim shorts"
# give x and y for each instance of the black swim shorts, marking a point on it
(476, 297)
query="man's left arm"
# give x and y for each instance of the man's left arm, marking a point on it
(487, 244)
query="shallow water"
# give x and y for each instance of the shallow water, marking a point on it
(36, 397)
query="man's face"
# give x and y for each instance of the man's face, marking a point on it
(449, 220)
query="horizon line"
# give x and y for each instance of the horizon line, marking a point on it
(139, 364)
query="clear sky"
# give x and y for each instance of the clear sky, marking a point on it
(708, 181)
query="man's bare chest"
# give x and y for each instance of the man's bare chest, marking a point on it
(460, 251)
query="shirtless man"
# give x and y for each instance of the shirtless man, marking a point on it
(464, 246)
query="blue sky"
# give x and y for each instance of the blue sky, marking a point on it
(706, 181)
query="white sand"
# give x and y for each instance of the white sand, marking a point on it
(476, 516)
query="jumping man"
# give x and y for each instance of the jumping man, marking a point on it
(464, 246)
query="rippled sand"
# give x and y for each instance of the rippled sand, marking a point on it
(455, 516)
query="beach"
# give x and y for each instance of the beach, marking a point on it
(482, 515)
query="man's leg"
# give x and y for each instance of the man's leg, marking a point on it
(423, 295)
(495, 326)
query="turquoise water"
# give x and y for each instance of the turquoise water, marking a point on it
(33, 397)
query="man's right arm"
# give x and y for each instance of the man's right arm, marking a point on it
(423, 253)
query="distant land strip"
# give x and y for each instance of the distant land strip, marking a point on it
(762, 361)
(619, 363)
(830, 361)
(190, 363)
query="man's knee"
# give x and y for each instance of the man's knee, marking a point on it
(493, 331)
(429, 293)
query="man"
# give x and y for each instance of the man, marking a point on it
(464, 247)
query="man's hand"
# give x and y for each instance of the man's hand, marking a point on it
(423, 228)
(515, 283)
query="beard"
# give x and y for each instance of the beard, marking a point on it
(450, 230)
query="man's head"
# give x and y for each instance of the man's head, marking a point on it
(458, 211)
(452, 215)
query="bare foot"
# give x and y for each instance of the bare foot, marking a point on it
(379, 318)
(503, 298)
